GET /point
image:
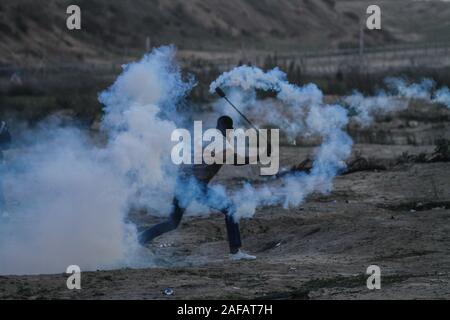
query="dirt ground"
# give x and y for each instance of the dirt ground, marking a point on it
(397, 219)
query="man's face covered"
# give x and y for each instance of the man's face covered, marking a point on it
(224, 123)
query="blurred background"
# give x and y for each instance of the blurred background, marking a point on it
(46, 68)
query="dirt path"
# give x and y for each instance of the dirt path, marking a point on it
(396, 219)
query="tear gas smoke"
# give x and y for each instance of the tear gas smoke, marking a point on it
(442, 96)
(397, 97)
(308, 115)
(68, 199)
(303, 113)
(362, 109)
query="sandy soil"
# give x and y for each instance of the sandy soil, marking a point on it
(397, 219)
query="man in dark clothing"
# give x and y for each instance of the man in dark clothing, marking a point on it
(192, 184)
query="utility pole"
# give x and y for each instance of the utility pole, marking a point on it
(361, 45)
(361, 38)
(147, 44)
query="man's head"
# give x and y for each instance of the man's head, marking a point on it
(224, 123)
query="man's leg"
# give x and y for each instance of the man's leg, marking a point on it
(219, 201)
(163, 227)
(233, 232)
(222, 203)
(186, 189)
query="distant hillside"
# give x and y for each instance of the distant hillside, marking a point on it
(34, 31)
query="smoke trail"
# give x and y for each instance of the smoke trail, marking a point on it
(397, 97)
(242, 82)
(311, 117)
(364, 109)
(302, 112)
(401, 88)
(442, 96)
(68, 199)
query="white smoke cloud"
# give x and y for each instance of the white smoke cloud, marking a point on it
(397, 97)
(401, 88)
(424, 90)
(311, 116)
(69, 208)
(442, 96)
(138, 108)
(68, 199)
(365, 108)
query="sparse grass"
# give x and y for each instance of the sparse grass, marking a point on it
(417, 205)
(442, 149)
(335, 282)
(441, 154)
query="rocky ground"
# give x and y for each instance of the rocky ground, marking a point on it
(397, 219)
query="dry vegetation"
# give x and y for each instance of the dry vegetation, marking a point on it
(34, 31)
(62, 70)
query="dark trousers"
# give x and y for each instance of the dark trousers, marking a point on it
(186, 191)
